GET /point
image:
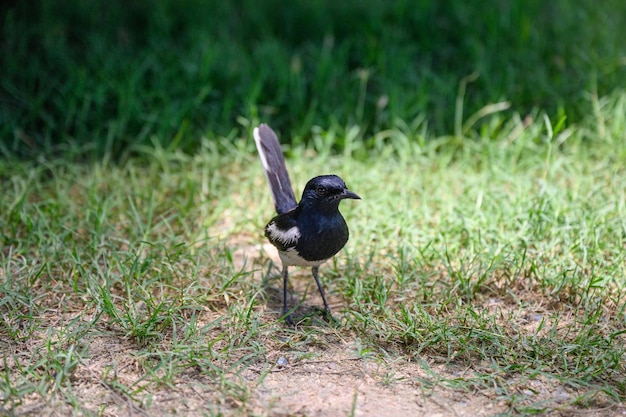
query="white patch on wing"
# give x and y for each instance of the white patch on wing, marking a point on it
(286, 237)
(291, 258)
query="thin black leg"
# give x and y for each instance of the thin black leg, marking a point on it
(315, 271)
(285, 284)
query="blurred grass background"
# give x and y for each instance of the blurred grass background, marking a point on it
(91, 78)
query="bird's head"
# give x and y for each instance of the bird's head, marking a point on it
(326, 192)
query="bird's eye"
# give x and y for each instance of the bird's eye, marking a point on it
(321, 190)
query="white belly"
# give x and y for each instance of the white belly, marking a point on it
(291, 258)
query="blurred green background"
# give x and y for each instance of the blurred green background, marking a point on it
(88, 77)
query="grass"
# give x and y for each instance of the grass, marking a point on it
(493, 262)
(106, 80)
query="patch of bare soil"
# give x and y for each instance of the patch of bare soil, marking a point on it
(332, 383)
(335, 383)
(329, 380)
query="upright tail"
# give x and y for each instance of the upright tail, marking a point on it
(275, 170)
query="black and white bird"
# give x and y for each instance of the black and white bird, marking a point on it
(307, 233)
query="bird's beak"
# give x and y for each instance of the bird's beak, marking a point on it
(349, 194)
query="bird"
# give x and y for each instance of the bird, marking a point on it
(306, 233)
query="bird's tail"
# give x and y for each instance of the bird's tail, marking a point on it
(275, 170)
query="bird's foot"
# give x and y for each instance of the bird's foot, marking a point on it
(332, 320)
(329, 318)
(288, 319)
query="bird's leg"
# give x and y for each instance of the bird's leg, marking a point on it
(315, 271)
(288, 318)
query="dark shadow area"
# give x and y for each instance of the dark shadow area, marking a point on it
(92, 78)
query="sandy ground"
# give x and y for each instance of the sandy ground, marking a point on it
(329, 380)
(332, 383)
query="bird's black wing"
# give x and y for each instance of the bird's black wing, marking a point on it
(275, 170)
(283, 231)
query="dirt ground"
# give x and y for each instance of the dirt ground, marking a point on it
(333, 383)
(344, 387)
(331, 380)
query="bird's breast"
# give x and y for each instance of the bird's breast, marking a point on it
(322, 238)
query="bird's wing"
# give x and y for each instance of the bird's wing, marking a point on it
(282, 231)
